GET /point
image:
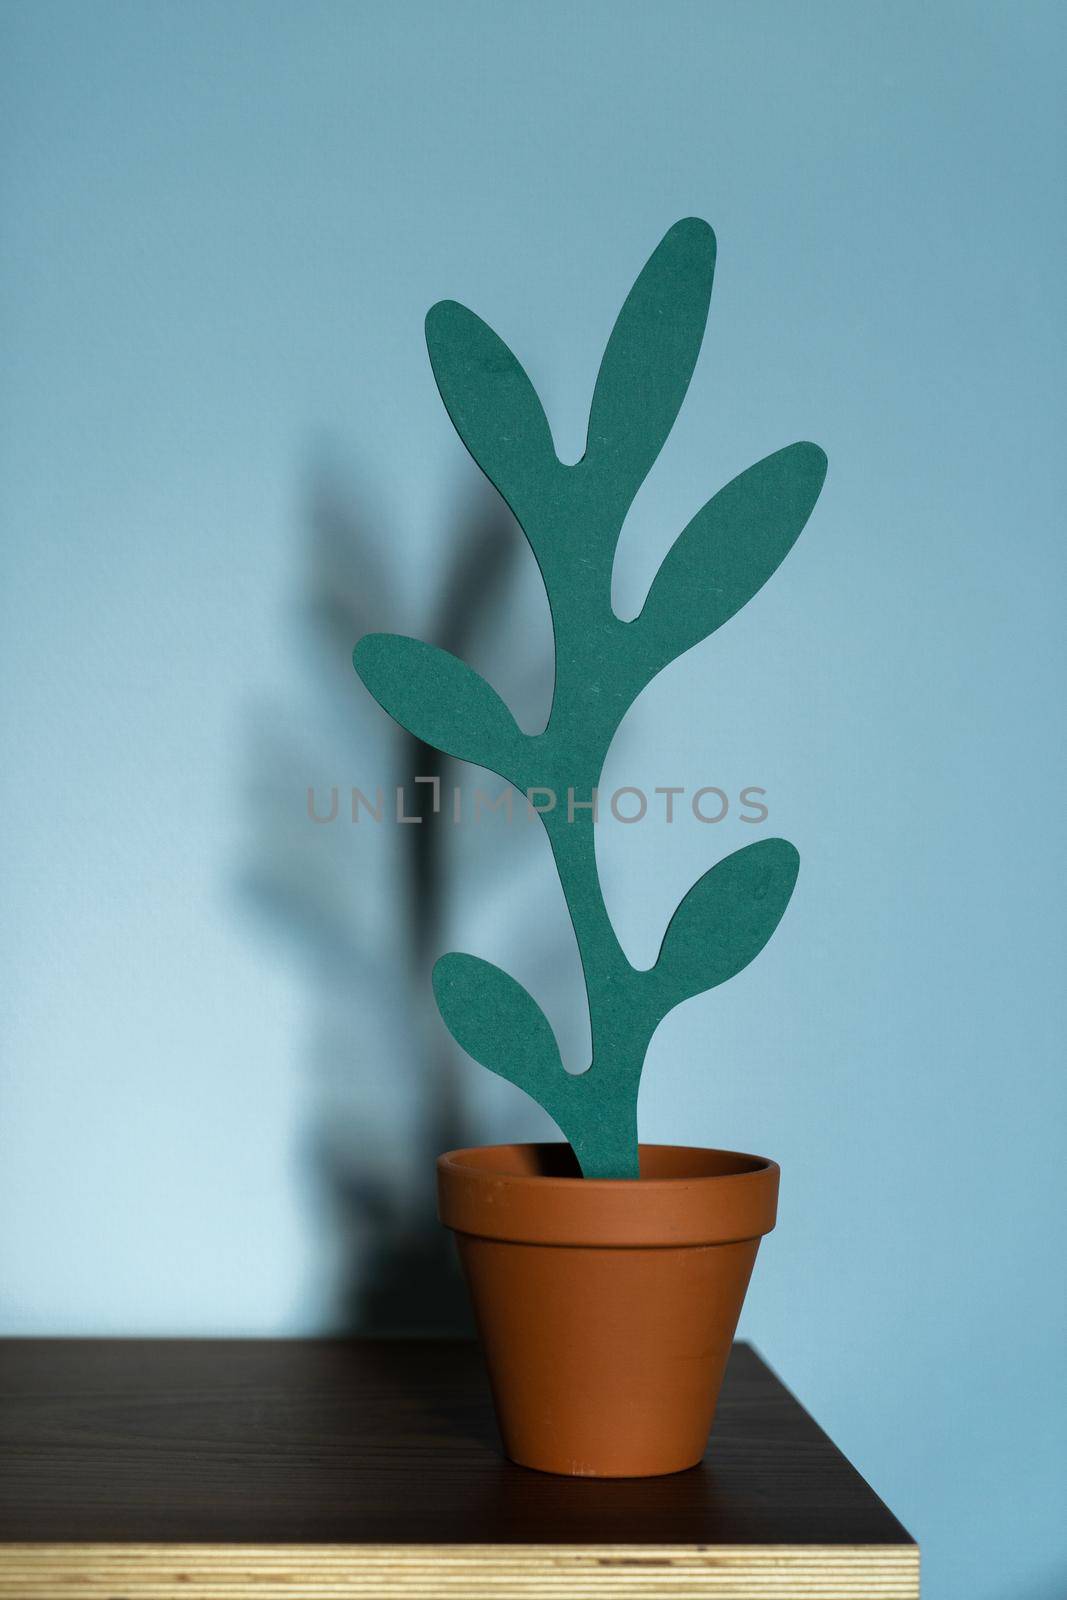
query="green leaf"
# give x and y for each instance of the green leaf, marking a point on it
(500, 1024)
(728, 552)
(495, 410)
(439, 699)
(649, 360)
(726, 918)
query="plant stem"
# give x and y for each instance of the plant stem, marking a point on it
(598, 1110)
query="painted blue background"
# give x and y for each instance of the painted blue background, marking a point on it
(222, 227)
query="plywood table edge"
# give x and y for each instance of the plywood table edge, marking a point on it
(488, 1571)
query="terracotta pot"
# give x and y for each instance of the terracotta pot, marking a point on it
(606, 1307)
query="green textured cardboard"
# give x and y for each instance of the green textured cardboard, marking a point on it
(572, 517)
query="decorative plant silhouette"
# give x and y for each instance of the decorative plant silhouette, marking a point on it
(572, 517)
(371, 1152)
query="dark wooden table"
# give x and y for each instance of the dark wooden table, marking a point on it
(135, 1468)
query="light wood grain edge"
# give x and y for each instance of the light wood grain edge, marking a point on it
(475, 1572)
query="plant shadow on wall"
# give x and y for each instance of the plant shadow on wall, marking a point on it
(365, 906)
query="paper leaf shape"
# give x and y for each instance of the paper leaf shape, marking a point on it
(728, 551)
(439, 699)
(726, 918)
(494, 408)
(572, 517)
(500, 1024)
(649, 360)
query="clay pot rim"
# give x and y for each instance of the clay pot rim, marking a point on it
(707, 1196)
(478, 1160)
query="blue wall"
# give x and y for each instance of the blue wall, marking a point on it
(223, 225)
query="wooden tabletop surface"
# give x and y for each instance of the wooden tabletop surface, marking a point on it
(376, 1465)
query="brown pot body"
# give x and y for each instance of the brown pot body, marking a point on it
(606, 1307)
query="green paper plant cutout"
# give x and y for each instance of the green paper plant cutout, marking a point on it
(572, 517)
